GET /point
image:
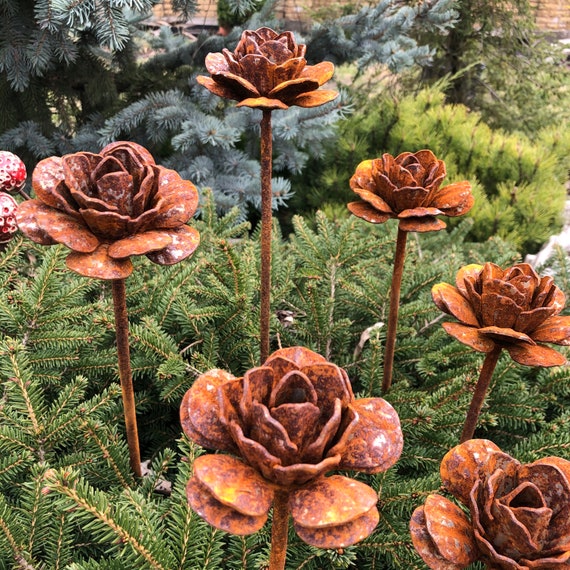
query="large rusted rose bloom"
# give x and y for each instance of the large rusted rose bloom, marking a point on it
(268, 70)
(519, 514)
(289, 421)
(106, 207)
(407, 188)
(512, 308)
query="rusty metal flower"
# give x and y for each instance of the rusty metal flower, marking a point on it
(290, 421)
(512, 308)
(519, 514)
(106, 207)
(268, 70)
(407, 188)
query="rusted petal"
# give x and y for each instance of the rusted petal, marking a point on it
(301, 473)
(109, 225)
(139, 244)
(329, 385)
(554, 329)
(315, 450)
(467, 272)
(294, 386)
(425, 546)
(498, 310)
(200, 412)
(28, 225)
(49, 186)
(178, 199)
(288, 70)
(129, 153)
(367, 212)
(321, 72)
(363, 178)
(234, 484)
(99, 265)
(218, 515)
(424, 224)
(469, 336)
(374, 200)
(299, 355)
(454, 199)
(462, 466)
(342, 535)
(528, 321)
(418, 212)
(450, 530)
(272, 436)
(300, 421)
(288, 90)
(215, 88)
(553, 562)
(262, 103)
(77, 168)
(552, 476)
(38, 219)
(449, 300)
(535, 355)
(505, 335)
(185, 240)
(259, 71)
(315, 98)
(408, 197)
(330, 501)
(375, 443)
(240, 86)
(257, 384)
(254, 453)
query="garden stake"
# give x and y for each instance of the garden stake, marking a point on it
(266, 222)
(105, 208)
(515, 515)
(125, 373)
(266, 71)
(279, 531)
(395, 287)
(512, 309)
(287, 424)
(406, 188)
(481, 389)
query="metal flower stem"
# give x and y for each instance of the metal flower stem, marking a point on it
(279, 530)
(397, 273)
(481, 388)
(266, 221)
(125, 373)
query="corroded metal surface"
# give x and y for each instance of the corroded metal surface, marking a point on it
(514, 309)
(109, 206)
(407, 187)
(268, 70)
(518, 514)
(291, 421)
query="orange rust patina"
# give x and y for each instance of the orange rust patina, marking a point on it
(407, 188)
(519, 514)
(268, 70)
(289, 422)
(514, 309)
(106, 207)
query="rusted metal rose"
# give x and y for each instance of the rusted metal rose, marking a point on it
(106, 207)
(519, 514)
(407, 188)
(514, 309)
(268, 70)
(290, 421)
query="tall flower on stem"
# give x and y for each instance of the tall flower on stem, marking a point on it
(512, 309)
(518, 514)
(287, 423)
(105, 208)
(267, 71)
(406, 188)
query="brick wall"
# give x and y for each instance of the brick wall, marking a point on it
(553, 16)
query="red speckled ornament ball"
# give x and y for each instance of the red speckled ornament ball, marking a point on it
(12, 172)
(8, 225)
